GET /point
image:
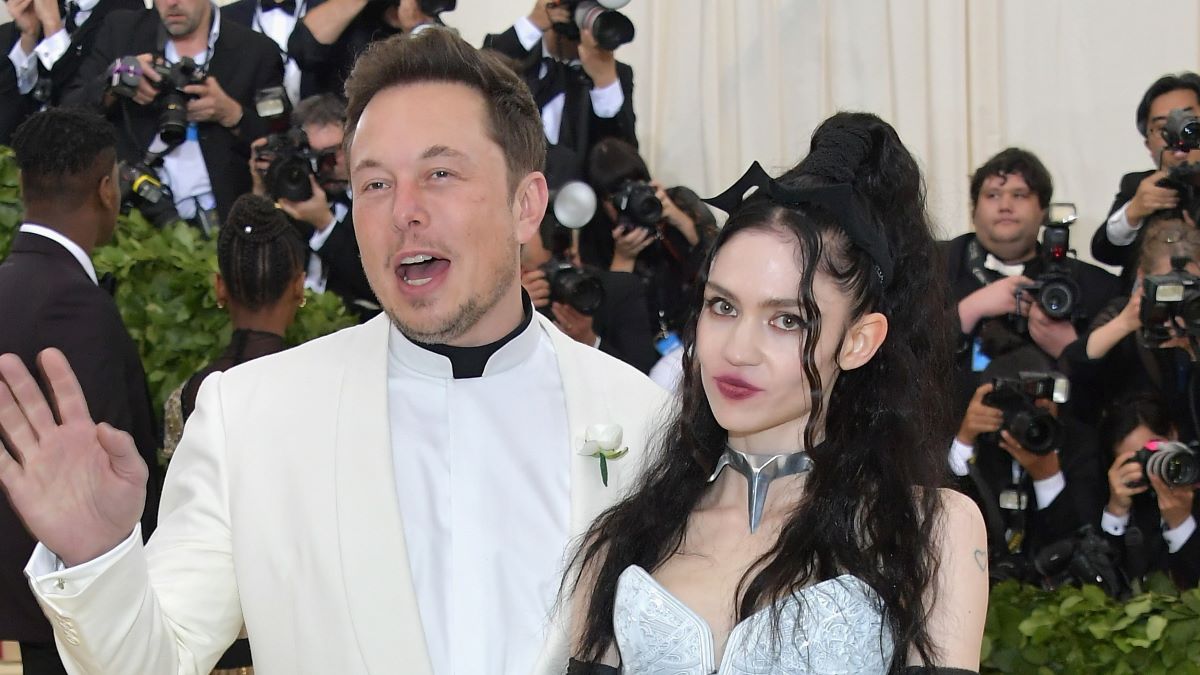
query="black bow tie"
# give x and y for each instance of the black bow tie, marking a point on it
(559, 75)
(288, 6)
(68, 11)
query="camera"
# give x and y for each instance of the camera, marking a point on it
(1168, 298)
(1085, 558)
(637, 202)
(1184, 179)
(142, 190)
(1181, 130)
(1035, 429)
(173, 122)
(1175, 463)
(1054, 289)
(574, 286)
(292, 163)
(610, 27)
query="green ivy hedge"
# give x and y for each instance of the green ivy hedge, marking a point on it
(165, 291)
(1073, 630)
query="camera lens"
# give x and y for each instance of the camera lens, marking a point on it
(575, 287)
(1058, 298)
(288, 179)
(172, 124)
(638, 202)
(1036, 430)
(1175, 466)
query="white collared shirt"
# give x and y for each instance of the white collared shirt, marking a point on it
(606, 101)
(316, 276)
(183, 168)
(1175, 538)
(74, 249)
(483, 476)
(1045, 491)
(278, 25)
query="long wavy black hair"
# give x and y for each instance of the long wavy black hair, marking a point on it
(869, 505)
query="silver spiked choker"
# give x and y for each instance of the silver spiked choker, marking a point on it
(759, 471)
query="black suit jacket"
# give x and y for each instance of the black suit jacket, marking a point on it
(47, 300)
(344, 274)
(622, 322)
(1152, 556)
(243, 11)
(1104, 250)
(243, 62)
(328, 66)
(1075, 505)
(581, 128)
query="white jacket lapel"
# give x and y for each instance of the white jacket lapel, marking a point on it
(378, 578)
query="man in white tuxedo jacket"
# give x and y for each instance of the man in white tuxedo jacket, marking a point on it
(399, 497)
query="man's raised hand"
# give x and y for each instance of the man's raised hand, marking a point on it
(79, 487)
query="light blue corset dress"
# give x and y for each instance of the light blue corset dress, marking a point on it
(830, 627)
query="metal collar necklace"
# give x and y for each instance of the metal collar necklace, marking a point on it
(759, 471)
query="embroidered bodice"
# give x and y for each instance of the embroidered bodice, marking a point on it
(830, 627)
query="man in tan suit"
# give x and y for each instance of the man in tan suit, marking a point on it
(396, 497)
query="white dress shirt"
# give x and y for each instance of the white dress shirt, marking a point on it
(278, 25)
(606, 101)
(74, 249)
(1120, 231)
(315, 278)
(1175, 538)
(486, 569)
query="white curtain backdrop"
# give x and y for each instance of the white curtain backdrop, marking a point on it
(720, 83)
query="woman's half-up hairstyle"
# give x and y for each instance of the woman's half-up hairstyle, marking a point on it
(869, 503)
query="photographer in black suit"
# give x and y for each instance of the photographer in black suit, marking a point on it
(277, 19)
(1139, 194)
(327, 42)
(45, 43)
(1151, 524)
(585, 94)
(619, 326)
(326, 219)
(49, 297)
(204, 160)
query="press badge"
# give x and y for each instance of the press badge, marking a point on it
(979, 360)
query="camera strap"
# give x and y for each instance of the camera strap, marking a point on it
(991, 509)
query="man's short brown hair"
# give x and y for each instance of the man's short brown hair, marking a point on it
(440, 55)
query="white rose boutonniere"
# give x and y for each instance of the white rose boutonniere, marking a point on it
(603, 441)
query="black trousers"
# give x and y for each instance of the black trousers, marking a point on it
(41, 658)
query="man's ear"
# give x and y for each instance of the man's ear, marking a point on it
(864, 338)
(529, 205)
(108, 192)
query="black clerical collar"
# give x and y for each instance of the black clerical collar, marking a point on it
(470, 362)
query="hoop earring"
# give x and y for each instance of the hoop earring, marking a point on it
(304, 301)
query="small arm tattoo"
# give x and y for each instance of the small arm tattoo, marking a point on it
(981, 559)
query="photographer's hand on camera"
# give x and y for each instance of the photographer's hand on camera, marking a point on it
(535, 284)
(147, 91)
(1174, 503)
(1124, 477)
(1151, 197)
(1102, 339)
(258, 168)
(628, 243)
(675, 216)
(980, 418)
(599, 64)
(574, 323)
(1051, 335)
(212, 104)
(1039, 467)
(315, 210)
(996, 299)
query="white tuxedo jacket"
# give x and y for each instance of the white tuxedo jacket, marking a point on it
(280, 511)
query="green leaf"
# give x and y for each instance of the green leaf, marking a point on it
(1138, 606)
(1155, 626)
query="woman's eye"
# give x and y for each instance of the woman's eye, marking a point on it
(787, 322)
(720, 307)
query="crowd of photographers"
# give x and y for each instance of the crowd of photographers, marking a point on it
(1076, 386)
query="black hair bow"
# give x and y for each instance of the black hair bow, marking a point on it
(839, 199)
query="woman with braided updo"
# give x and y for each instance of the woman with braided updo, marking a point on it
(817, 365)
(261, 284)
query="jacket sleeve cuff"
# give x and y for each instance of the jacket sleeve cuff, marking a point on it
(49, 577)
(51, 49)
(607, 101)
(1047, 490)
(1114, 525)
(1119, 230)
(960, 456)
(528, 34)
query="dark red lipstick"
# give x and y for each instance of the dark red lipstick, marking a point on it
(735, 388)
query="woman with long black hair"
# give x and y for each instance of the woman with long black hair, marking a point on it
(814, 397)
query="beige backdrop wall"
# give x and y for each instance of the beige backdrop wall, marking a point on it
(720, 83)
